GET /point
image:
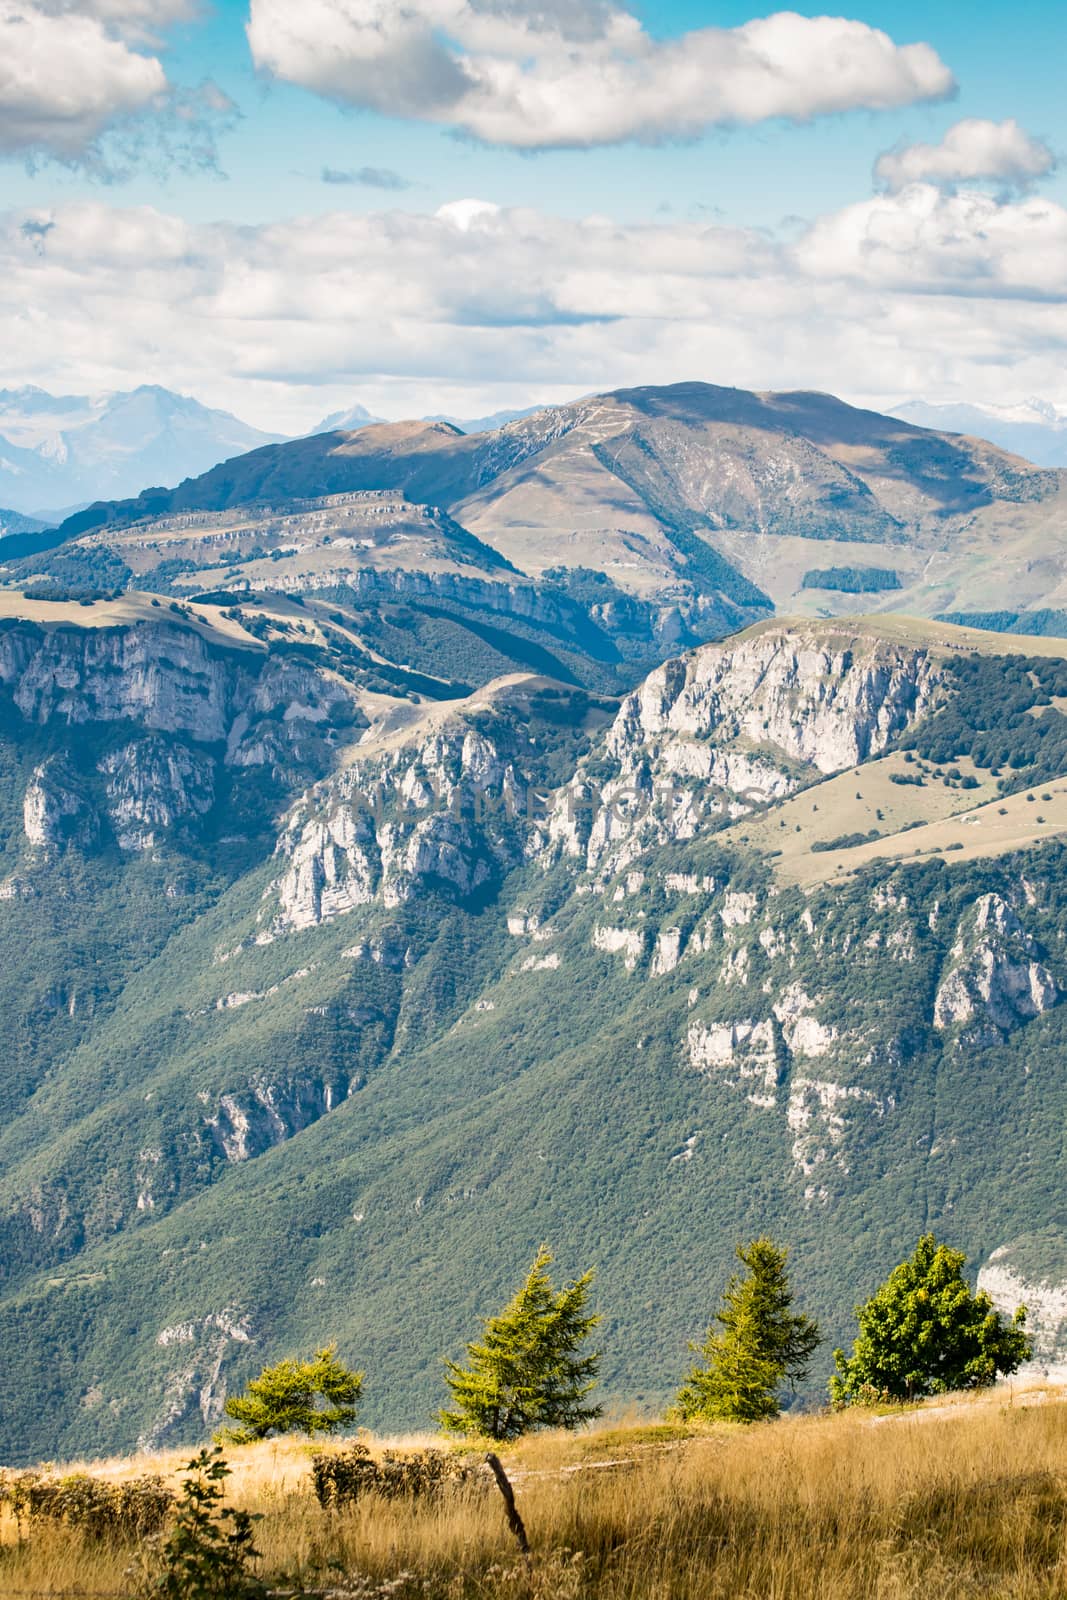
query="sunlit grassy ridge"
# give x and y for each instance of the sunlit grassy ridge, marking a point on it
(963, 1499)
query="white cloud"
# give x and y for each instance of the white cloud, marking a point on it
(64, 79)
(130, 19)
(540, 76)
(929, 242)
(451, 312)
(971, 150)
(80, 84)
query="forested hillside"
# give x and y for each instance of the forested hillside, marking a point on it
(332, 989)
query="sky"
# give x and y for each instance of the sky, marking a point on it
(284, 207)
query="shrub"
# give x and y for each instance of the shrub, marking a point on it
(208, 1552)
(96, 1507)
(844, 841)
(341, 1477)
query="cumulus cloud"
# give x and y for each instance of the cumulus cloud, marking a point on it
(64, 79)
(929, 242)
(79, 84)
(135, 20)
(971, 151)
(584, 73)
(425, 313)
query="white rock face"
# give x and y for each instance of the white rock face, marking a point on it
(668, 951)
(744, 1054)
(755, 1056)
(56, 810)
(196, 1387)
(724, 728)
(804, 1034)
(549, 963)
(390, 829)
(629, 942)
(737, 909)
(817, 1114)
(688, 883)
(266, 1113)
(152, 785)
(995, 975)
(168, 679)
(1046, 1310)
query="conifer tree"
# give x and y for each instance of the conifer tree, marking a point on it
(528, 1370)
(316, 1396)
(924, 1332)
(759, 1344)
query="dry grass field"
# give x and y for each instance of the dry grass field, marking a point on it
(953, 1500)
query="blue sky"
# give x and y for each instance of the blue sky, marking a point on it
(1009, 63)
(796, 183)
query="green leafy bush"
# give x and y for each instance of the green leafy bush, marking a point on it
(209, 1551)
(924, 1332)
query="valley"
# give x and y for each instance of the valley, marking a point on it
(327, 973)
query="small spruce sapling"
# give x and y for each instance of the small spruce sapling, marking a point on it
(760, 1344)
(528, 1370)
(316, 1396)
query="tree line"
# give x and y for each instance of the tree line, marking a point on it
(922, 1332)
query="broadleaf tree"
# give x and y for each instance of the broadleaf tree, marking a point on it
(316, 1396)
(924, 1332)
(756, 1344)
(530, 1369)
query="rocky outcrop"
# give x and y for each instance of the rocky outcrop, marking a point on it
(152, 785)
(761, 1058)
(250, 1121)
(734, 725)
(744, 1055)
(818, 1115)
(57, 810)
(170, 679)
(627, 942)
(442, 814)
(996, 979)
(195, 1386)
(1045, 1300)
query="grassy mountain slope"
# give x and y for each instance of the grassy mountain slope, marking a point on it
(691, 496)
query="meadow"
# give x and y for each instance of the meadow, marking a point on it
(964, 1498)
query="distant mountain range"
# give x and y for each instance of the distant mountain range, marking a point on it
(357, 416)
(1034, 429)
(58, 451)
(692, 499)
(14, 522)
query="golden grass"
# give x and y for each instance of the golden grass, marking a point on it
(959, 1500)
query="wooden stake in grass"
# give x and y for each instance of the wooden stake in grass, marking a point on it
(515, 1522)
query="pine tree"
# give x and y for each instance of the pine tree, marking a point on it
(760, 1343)
(316, 1396)
(527, 1371)
(924, 1332)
